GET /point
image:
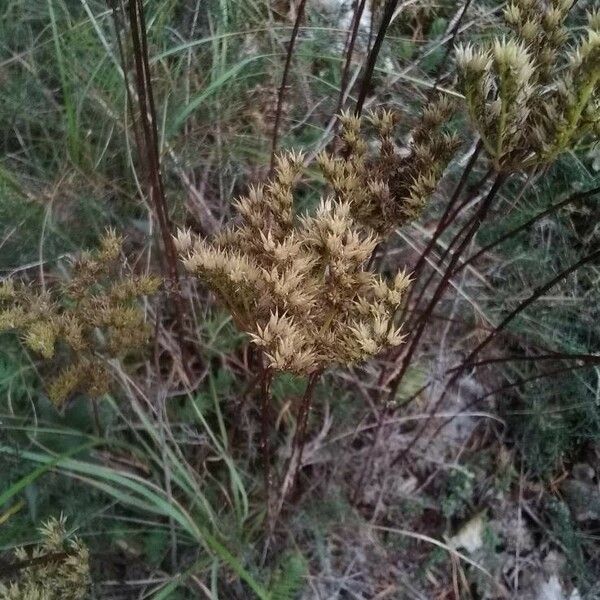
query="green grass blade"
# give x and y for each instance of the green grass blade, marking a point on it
(150, 498)
(211, 89)
(36, 473)
(73, 141)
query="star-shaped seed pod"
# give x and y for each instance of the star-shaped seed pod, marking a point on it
(529, 94)
(299, 286)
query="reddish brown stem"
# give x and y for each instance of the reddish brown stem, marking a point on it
(302, 422)
(443, 222)
(449, 46)
(284, 78)
(439, 292)
(371, 455)
(265, 445)
(591, 359)
(509, 386)
(457, 236)
(358, 12)
(578, 197)
(155, 186)
(388, 13)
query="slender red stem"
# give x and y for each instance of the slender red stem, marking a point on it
(388, 13)
(302, 422)
(578, 197)
(265, 445)
(155, 185)
(358, 12)
(443, 222)
(445, 282)
(284, 79)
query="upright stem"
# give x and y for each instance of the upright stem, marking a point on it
(265, 446)
(358, 12)
(454, 239)
(284, 78)
(442, 222)
(302, 422)
(449, 46)
(295, 461)
(371, 454)
(155, 185)
(577, 197)
(388, 13)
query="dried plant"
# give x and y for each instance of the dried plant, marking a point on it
(56, 569)
(299, 286)
(528, 98)
(389, 187)
(78, 325)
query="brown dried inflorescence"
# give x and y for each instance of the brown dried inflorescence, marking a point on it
(529, 95)
(385, 186)
(59, 568)
(299, 286)
(79, 325)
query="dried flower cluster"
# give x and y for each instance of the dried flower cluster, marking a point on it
(78, 325)
(59, 568)
(528, 98)
(388, 187)
(299, 285)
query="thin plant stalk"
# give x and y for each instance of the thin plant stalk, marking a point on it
(156, 190)
(126, 68)
(284, 79)
(300, 435)
(592, 359)
(440, 227)
(450, 46)
(265, 446)
(358, 12)
(298, 441)
(574, 198)
(295, 461)
(370, 457)
(388, 13)
(455, 239)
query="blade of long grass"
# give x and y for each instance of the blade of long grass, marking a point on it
(237, 485)
(73, 140)
(151, 497)
(28, 479)
(195, 102)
